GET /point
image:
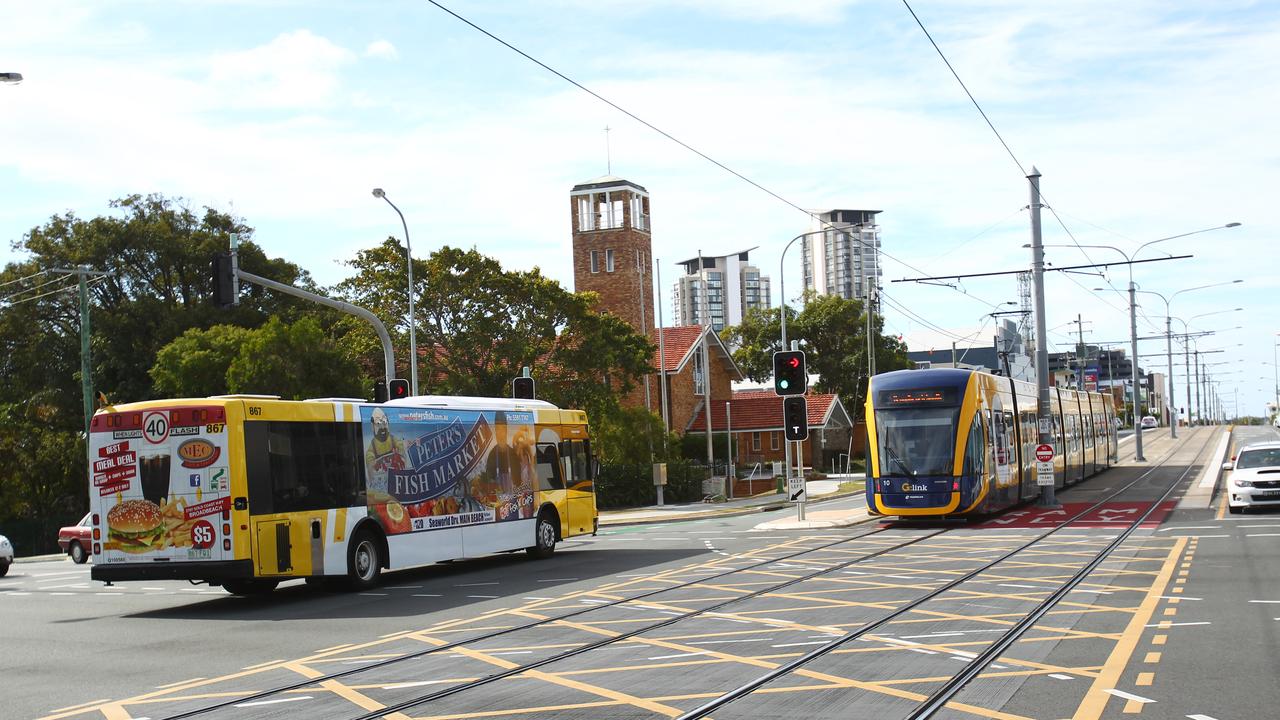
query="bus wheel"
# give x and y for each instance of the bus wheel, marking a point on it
(253, 586)
(364, 562)
(544, 535)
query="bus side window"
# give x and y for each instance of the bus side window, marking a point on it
(577, 451)
(549, 477)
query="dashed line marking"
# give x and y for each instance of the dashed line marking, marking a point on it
(1060, 676)
(1130, 696)
(273, 702)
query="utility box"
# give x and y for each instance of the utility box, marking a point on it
(659, 474)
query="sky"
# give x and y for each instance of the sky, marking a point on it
(1147, 119)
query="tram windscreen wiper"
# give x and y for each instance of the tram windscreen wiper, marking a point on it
(895, 457)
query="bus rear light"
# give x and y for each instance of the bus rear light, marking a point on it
(955, 486)
(97, 534)
(97, 549)
(226, 544)
(226, 515)
(226, 528)
(96, 521)
(244, 527)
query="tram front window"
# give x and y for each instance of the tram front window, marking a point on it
(916, 441)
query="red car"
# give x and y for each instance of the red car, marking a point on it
(75, 540)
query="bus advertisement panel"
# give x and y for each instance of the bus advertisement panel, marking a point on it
(430, 469)
(159, 484)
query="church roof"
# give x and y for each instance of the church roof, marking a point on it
(605, 182)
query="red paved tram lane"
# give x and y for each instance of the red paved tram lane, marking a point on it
(1109, 515)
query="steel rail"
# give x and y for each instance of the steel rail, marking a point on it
(311, 682)
(405, 705)
(785, 669)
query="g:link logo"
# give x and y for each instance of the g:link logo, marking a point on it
(908, 487)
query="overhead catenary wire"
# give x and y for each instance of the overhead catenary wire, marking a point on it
(24, 278)
(667, 135)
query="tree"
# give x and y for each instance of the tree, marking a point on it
(479, 325)
(195, 363)
(295, 362)
(832, 332)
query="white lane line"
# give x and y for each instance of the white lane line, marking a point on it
(725, 642)
(274, 702)
(1028, 587)
(1178, 597)
(1202, 717)
(1095, 592)
(404, 587)
(922, 651)
(427, 595)
(677, 655)
(484, 597)
(1162, 624)
(1263, 535)
(934, 635)
(1201, 537)
(1191, 527)
(1266, 602)
(1130, 696)
(1060, 676)
(419, 683)
(1250, 527)
(374, 594)
(819, 642)
(154, 589)
(475, 584)
(554, 580)
(535, 597)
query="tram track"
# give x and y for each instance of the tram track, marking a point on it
(980, 661)
(314, 681)
(727, 697)
(783, 670)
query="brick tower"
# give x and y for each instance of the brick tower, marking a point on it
(612, 248)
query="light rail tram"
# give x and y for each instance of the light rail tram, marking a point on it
(961, 443)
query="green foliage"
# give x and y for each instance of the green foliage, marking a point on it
(479, 326)
(195, 364)
(630, 436)
(628, 486)
(832, 333)
(693, 446)
(295, 362)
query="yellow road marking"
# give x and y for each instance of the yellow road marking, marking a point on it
(1132, 707)
(1159, 639)
(1152, 657)
(1145, 678)
(1095, 700)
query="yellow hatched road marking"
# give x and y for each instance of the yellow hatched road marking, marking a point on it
(1095, 699)
(1145, 678)
(1152, 657)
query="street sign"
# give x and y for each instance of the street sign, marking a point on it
(796, 489)
(1044, 473)
(1044, 452)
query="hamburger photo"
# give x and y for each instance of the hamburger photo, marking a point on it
(135, 526)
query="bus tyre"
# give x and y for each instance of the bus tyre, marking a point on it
(364, 562)
(544, 535)
(251, 586)
(77, 553)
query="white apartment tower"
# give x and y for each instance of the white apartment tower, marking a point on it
(842, 257)
(733, 285)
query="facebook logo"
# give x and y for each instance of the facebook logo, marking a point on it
(195, 480)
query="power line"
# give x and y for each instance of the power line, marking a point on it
(28, 277)
(9, 298)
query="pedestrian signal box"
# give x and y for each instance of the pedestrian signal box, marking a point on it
(789, 374)
(522, 388)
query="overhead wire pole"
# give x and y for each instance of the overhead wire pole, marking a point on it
(1044, 416)
(86, 366)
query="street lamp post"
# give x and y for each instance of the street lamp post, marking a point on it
(1133, 323)
(1168, 342)
(408, 251)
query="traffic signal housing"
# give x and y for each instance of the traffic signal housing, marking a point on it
(789, 374)
(522, 388)
(398, 389)
(795, 417)
(224, 282)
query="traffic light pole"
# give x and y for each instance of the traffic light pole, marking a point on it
(388, 357)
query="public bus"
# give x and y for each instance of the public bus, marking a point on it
(952, 442)
(245, 491)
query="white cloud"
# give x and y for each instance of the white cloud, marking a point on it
(296, 69)
(382, 50)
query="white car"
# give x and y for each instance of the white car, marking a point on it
(1149, 421)
(6, 555)
(1255, 477)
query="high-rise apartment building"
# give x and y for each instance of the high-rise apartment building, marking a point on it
(842, 257)
(733, 286)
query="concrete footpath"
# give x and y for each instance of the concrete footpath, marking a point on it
(816, 490)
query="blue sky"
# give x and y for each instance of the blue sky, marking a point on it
(1147, 119)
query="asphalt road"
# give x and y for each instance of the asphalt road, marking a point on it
(1111, 648)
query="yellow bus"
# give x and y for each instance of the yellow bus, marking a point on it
(245, 491)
